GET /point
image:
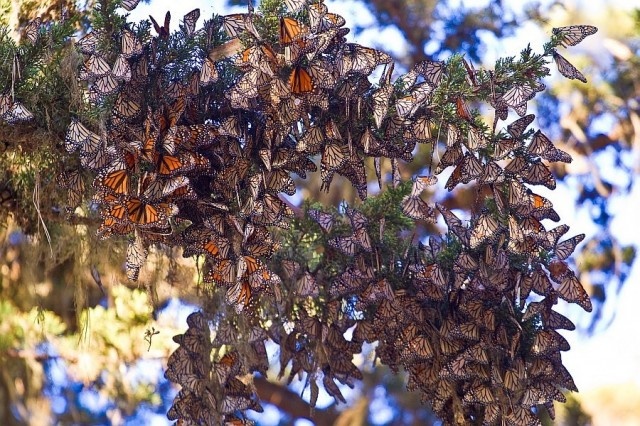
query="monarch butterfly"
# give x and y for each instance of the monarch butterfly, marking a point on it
(168, 164)
(486, 228)
(105, 85)
(179, 363)
(295, 5)
(32, 30)
(307, 286)
(521, 416)
(136, 255)
(142, 213)
(421, 183)
(17, 113)
(572, 291)
(115, 178)
(518, 195)
(574, 34)
(87, 44)
(325, 220)
(476, 353)
(300, 81)
(209, 73)
(416, 208)
(480, 393)
(465, 262)
(130, 45)
(541, 146)
(453, 135)
(431, 71)
(163, 31)
(78, 135)
(548, 341)
(471, 168)
(566, 68)
(189, 22)
(73, 183)
(539, 174)
(476, 139)
(380, 100)
(121, 69)
(354, 58)
(514, 376)
(555, 321)
(346, 245)
(5, 103)
(504, 147)
(462, 109)
(129, 5)
(451, 157)
(279, 180)
(96, 67)
(239, 295)
(334, 156)
(516, 166)
(244, 22)
(517, 128)
(421, 129)
(518, 95)
(326, 22)
(291, 31)
(492, 173)
(564, 249)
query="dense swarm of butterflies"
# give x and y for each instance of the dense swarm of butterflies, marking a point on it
(213, 391)
(197, 149)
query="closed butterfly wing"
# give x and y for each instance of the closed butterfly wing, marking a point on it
(189, 22)
(564, 249)
(300, 81)
(121, 69)
(291, 31)
(543, 147)
(17, 113)
(136, 256)
(517, 128)
(566, 68)
(381, 103)
(518, 95)
(96, 66)
(416, 208)
(87, 44)
(325, 220)
(539, 174)
(129, 5)
(130, 45)
(209, 72)
(486, 228)
(32, 30)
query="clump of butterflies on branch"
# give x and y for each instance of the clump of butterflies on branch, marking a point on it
(203, 131)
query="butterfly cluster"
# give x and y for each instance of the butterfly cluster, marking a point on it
(195, 151)
(455, 314)
(212, 391)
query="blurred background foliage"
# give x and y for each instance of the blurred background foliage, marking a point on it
(72, 352)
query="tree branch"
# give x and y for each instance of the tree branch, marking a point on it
(291, 403)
